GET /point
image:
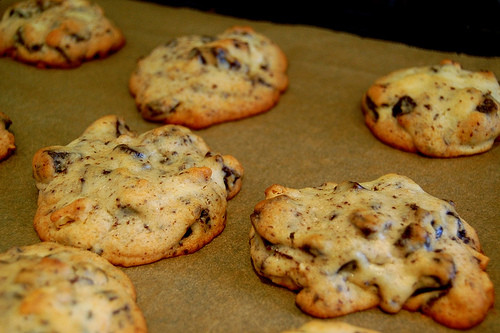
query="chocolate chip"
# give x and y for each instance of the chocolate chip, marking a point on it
(224, 60)
(313, 251)
(414, 237)
(204, 216)
(79, 38)
(188, 233)
(19, 12)
(261, 81)
(121, 128)
(230, 177)
(461, 232)
(132, 152)
(60, 160)
(157, 108)
(405, 105)
(196, 53)
(487, 105)
(372, 107)
(349, 267)
(437, 228)
(63, 54)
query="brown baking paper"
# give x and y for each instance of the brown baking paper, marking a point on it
(314, 134)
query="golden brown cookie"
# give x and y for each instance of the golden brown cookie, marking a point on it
(198, 81)
(438, 111)
(48, 287)
(7, 144)
(353, 246)
(132, 198)
(57, 33)
(324, 326)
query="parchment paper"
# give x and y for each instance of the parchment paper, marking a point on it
(314, 134)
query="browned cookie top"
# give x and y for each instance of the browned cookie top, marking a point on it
(353, 246)
(198, 81)
(57, 33)
(48, 287)
(134, 198)
(439, 111)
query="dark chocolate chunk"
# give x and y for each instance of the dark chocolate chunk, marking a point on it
(231, 176)
(132, 152)
(461, 232)
(158, 108)
(405, 105)
(79, 38)
(372, 107)
(61, 51)
(204, 216)
(196, 53)
(224, 60)
(188, 233)
(348, 267)
(414, 237)
(121, 128)
(487, 105)
(438, 229)
(60, 160)
(315, 252)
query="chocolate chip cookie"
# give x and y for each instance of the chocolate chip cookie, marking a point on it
(48, 287)
(134, 198)
(323, 326)
(438, 111)
(198, 81)
(353, 246)
(57, 33)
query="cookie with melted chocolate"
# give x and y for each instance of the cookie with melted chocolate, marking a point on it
(133, 198)
(57, 33)
(438, 111)
(198, 81)
(385, 243)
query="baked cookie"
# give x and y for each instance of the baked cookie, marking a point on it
(198, 81)
(131, 198)
(57, 33)
(322, 326)
(353, 246)
(48, 287)
(7, 145)
(438, 111)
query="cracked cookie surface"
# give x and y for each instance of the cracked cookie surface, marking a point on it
(48, 287)
(198, 81)
(134, 198)
(353, 246)
(57, 33)
(438, 111)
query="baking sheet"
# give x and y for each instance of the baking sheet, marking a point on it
(314, 134)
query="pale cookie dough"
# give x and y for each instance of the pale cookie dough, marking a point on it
(438, 111)
(131, 198)
(324, 326)
(198, 81)
(57, 33)
(48, 287)
(7, 141)
(353, 246)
